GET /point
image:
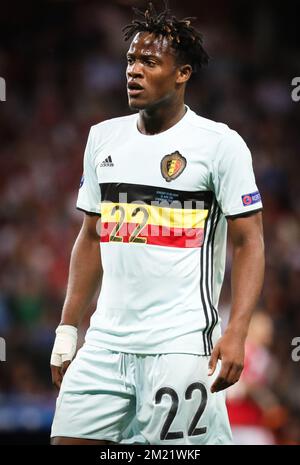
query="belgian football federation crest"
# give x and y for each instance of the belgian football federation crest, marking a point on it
(172, 165)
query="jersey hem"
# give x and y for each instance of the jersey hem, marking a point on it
(239, 212)
(146, 352)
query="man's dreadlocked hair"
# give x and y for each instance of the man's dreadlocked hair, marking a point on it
(185, 39)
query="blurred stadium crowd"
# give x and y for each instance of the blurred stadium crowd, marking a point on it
(64, 65)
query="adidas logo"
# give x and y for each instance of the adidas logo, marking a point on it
(107, 162)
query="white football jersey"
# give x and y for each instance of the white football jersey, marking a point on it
(163, 201)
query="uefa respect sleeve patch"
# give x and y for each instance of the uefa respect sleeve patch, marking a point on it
(250, 199)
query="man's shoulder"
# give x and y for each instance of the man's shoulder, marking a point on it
(113, 124)
(219, 132)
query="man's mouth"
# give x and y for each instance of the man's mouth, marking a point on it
(134, 88)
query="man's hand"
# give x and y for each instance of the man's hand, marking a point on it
(231, 350)
(63, 352)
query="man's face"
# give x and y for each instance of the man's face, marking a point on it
(151, 71)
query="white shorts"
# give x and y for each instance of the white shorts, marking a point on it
(140, 398)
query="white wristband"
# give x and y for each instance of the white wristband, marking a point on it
(64, 345)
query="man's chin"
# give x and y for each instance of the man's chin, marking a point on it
(134, 104)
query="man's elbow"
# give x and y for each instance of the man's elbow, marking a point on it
(251, 244)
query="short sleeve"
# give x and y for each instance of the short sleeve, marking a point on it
(89, 195)
(233, 177)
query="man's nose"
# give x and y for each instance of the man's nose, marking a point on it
(135, 70)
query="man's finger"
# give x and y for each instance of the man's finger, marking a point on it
(56, 376)
(219, 385)
(65, 366)
(213, 361)
(222, 378)
(234, 373)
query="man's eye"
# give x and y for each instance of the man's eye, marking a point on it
(129, 61)
(150, 63)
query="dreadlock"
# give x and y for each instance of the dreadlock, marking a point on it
(185, 39)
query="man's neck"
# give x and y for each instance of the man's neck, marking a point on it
(160, 119)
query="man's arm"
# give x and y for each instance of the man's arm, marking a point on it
(246, 233)
(85, 275)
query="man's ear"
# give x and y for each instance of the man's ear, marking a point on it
(184, 74)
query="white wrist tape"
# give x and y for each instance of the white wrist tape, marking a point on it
(64, 345)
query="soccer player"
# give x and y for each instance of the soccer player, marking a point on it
(166, 183)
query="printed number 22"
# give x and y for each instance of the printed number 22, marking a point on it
(134, 236)
(192, 431)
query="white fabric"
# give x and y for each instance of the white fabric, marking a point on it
(64, 345)
(156, 298)
(126, 398)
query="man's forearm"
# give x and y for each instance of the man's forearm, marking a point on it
(246, 283)
(246, 233)
(85, 276)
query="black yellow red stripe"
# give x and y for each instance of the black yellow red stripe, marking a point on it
(156, 216)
